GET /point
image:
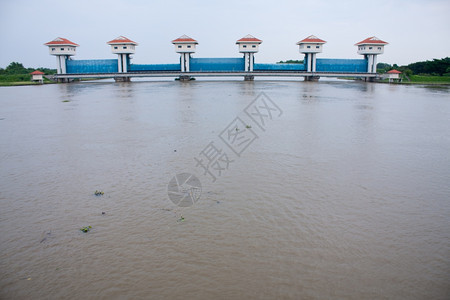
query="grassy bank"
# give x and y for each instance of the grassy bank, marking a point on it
(428, 79)
(18, 83)
(18, 79)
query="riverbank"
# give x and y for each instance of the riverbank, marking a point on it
(20, 83)
(423, 79)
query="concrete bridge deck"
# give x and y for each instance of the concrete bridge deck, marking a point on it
(215, 74)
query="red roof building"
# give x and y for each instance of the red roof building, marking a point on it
(248, 44)
(184, 39)
(37, 76)
(394, 72)
(59, 41)
(311, 39)
(249, 39)
(122, 40)
(310, 46)
(393, 75)
(371, 41)
(371, 48)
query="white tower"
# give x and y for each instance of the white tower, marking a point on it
(310, 47)
(249, 45)
(370, 48)
(62, 48)
(185, 46)
(123, 47)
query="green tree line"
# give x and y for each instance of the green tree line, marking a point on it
(290, 61)
(16, 68)
(16, 72)
(439, 67)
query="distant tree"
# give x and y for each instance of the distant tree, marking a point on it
(290, 61)
(437, 66)
(447, 71)
(16, 68)
(383, 67)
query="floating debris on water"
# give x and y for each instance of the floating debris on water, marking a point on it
(45, 235)
(66, 101)
(248, 126)
(181, 219)
(103, 213)
(86, 229)
(98, 193)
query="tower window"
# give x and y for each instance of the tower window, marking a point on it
(116, 47)
(124, 47)
(379, 48)
(179, 46)
(53, 49)
(317, 47)
(308, 47)
(370, 48)
(189, 46)
(244, 46)
(62, 49)
(253, 46)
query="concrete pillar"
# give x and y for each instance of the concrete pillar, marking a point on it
(184, 78)
(119, 63)
(182, 62)
(251, 61)
(63, 63)
(308, 58)
(313, 61)
(369, 63)
(374, 68)
(246, 62)
(58, 65)
(124, 63)
(187, 61)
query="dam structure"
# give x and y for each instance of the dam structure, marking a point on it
(189, 67)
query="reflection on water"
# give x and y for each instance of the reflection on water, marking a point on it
(344, 196)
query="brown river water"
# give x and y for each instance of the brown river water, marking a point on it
(334, 190)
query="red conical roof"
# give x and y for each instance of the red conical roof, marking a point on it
(373, 40)
(249, 38)
(312, 39)
(37, 73)
(394, 72)
(121, 40)
(184, 39)
(59, 41)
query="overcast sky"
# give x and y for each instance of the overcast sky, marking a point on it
(416, 30)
